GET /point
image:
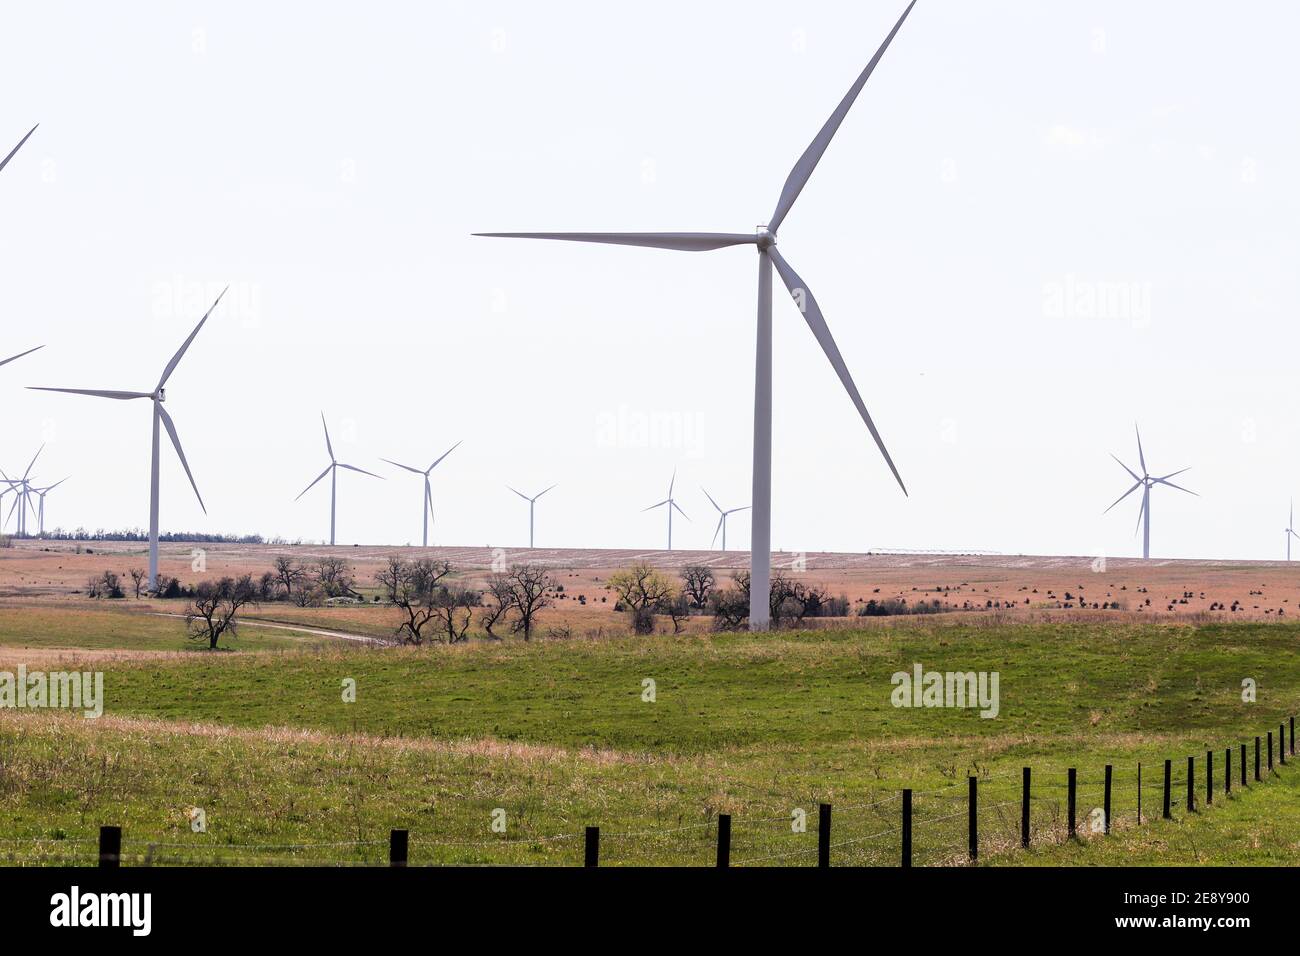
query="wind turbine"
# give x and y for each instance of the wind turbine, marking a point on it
(40, 510)
(426, 508)
(671, 504)
(5, 162)
(764, 240)
(532, 502)
(15, 487)
(1146, 483)
(20, 355)
(722, 519)
(160, 418)
(333, 471)
(1290, 530)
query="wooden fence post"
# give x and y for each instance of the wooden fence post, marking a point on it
(1270, 751)
(1243, 766)
(972, 815)
(824, 835)
(1024, 807)
(724, 840)
(1257, 776)
(1209, 777)
(1227, 771)
(1191, 779)
(1105, 806)
(397, 843)
(1139, 793)
(1072, 778)
(592, 855)
(110, 847)
(1292, 736)
(907, 828)
(1168, 776)
(1281, 743)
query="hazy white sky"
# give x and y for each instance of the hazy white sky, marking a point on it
(1039, 222)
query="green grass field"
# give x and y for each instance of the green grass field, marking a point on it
(556, 735)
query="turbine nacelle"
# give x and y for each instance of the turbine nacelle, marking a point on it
(765, 238)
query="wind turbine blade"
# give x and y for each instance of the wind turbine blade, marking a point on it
(653, 507)
(328, 446)
(1141, 510)
(5, 161)
(361, 471)
(803, 169)
(97, 392)
(812, 314)
(717, 530)
(1125, 495)
(55, 485)
(540, 493)
(33, 462)
(1132, 474)
(672, 481)
(180, 452)
(445, 454)
(680, 511)
(171, 366)
(1141, 457)
(314, 483)
(20, 355)
(1173, 474)
(400, 465)
(520, 494)
(710, 497)
(680, 241)
(428, 499)
(734, 510)
(1179, 487)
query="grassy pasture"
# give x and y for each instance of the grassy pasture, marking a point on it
(556, 734)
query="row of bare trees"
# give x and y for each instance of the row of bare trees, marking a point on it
(425, 592)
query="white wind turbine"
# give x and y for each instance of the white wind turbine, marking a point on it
(1146, 482)
(764, 240)
(40, 508)
(532, 504)
(23, 489)
(332, 469)
(1290, 530)
(426, 508)
(5, 162)
(671, 505)
(722, 519)
(160, 418)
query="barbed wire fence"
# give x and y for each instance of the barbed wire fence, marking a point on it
(950, 825)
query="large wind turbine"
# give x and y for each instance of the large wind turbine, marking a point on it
(1290, 530)
(160, 418)
(764, 240)
(40, 510)
(333, 471)
(671, 505)
(1146, 482)
(5, 162)
(532, 504)
(23, 501)
(426, 508)
(722, 519)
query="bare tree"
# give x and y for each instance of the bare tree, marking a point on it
(500, 600)
(698, 582)
(414, 587)
(289, 573)
(641, 589)
(448, 605)
(213, 611)
(531, 590)
(139, 577)
(334, 577)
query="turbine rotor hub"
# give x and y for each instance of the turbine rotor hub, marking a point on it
(766, 238)
(160, 395)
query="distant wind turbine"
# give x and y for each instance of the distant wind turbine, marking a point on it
(426, 508)
(1146, 482)
(1290, 530)
(40, 509)
(5, 162)
(671, 505)
(722, 519)
(23, 499)
(532, 504)
(764, 240)
(160, 417)
(333, 471)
